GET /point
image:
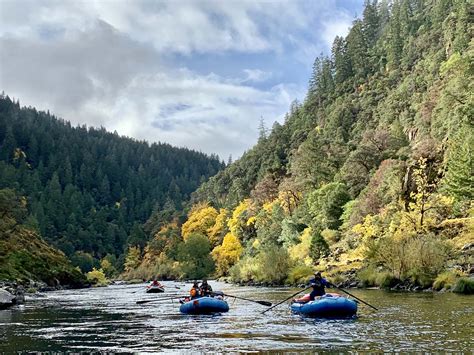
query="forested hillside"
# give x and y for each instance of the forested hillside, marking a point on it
(24, 255)
(370, 178)
(89, 191)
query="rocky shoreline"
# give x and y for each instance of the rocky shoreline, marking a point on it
(13, 293)
(399, 286)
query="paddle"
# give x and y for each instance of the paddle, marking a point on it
(159, 299)
(263, 303)
(340, 289)
(285, 300)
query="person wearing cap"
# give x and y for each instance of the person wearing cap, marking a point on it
(318, 283)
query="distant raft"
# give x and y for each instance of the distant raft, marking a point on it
(330, 305)
(154, 289)
(204, 305)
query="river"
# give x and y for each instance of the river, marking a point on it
(108, 319)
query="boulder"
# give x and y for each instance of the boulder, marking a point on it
(6, 299)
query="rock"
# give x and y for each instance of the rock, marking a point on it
(397, 287)
(6, 299)
(467, 246)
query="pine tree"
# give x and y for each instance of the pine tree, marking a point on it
(357, 49)
(459, 178)
(370, 22)
(340, 58)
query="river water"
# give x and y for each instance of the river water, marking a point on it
(109, 320)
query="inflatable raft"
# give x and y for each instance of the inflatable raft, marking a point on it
(204, 305)
(154, 289)
(330, 305)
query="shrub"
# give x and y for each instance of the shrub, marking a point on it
(245, 270)
(386, 280)
(272, 264)
(418, 258)
(445, 280)
(299, 274)
(97, 277)
(370, 276)
(331, 236)
(464, 285)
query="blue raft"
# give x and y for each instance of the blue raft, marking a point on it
(327, 306)
(204, 305)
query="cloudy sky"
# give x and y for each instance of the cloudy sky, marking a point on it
(198, 74)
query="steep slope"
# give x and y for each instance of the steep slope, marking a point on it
(368, 172)
(24, 256)
(89, 190)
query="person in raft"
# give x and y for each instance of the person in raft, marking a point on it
(155, 283)
(318, 283)
(194, 292)
(206, 289)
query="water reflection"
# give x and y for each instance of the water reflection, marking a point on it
(108, 319)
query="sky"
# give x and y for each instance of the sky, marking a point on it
(196, 74)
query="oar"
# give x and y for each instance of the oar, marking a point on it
(142, 289)
(159, 299)
(357, 298)
(285, 299)
(263, 303)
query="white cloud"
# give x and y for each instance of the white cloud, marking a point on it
(111, 63)
(337, 26)
(256, 75)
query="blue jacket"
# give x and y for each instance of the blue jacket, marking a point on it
(318, 287)
(323, 282)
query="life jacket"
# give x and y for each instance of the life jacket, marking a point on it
(205, 289)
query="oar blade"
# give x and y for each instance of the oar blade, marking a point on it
(265, 303)
(143, 301)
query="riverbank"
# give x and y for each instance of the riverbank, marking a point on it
(446, 282)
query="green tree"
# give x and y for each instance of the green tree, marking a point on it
(326, 205)
(459, 179)
(194, 256)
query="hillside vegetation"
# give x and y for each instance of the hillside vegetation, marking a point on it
(369, 179)
(87, 191)
(24, 256)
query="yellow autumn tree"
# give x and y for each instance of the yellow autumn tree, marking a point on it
(200, 219)
(217, 232)
(227, 254)
(242, 222)
(132, 260)
(300, 252)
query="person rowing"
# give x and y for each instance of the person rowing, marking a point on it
(155, 283)
(205, 288)
(318, 283)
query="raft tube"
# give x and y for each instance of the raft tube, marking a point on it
(327, 306)
(154, 289)
(204, 305)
